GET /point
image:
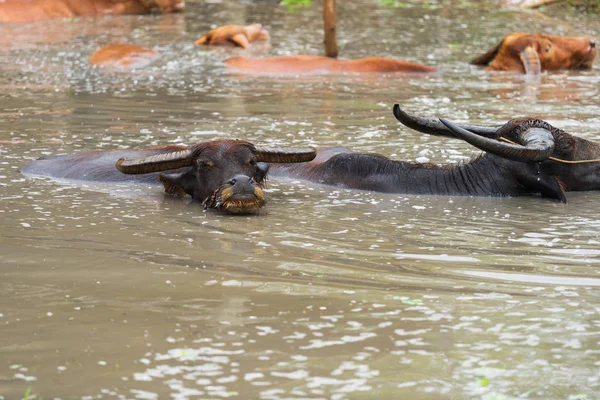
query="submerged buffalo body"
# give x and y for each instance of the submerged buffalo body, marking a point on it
(534, 53)
(523, 157)
(223, 174)
(34, 10)
(302, 64)
(122, 57)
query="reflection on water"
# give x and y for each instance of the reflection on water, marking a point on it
(111, 291)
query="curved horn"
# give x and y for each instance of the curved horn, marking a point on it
(434, 127)
(531, 61)
(277, 155)
(538, 143)
(156, 163)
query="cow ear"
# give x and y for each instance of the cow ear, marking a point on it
(178, 184)
(240, 40)
(203, 40)
(531, 61)
(488, 57)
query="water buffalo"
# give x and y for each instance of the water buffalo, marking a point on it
(35, 10)
(525, 156)
(233, 35)
(310, 64)
(224, 174)
(123, 57)
(534, 53)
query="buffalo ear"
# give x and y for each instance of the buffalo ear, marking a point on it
(178, 184)
(531, 60)
(548, 185)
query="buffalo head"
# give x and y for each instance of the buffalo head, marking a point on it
(548, 159)
(533, 53)
(223, 174)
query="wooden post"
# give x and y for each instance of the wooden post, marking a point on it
(331, 48)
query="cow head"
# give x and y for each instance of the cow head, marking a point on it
(256, 32)
(233, 35)
(223, 174)
(533, 53)
(164, 6)
(549, 158)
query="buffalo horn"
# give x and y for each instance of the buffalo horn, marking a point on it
(434, 127)
(537, 143)
(156, 163)
(531, 61)
(277, 155)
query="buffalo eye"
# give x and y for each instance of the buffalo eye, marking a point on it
(251, 161)
(548, 48)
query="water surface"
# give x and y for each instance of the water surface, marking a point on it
(110, 291)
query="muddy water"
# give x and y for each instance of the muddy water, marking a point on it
(118, 292)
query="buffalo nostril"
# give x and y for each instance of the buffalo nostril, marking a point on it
(592, 45)
(240, 180)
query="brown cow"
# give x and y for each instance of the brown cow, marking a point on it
(311, 64)
(234, 35)
(123, 57)
(35, 10)
(534, 53)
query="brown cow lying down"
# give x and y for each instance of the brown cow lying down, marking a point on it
(310, 64)
(234, 35)
(226, 175)
(532, 54)
(35, 10)
(123, 57)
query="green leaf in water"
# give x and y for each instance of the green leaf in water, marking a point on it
(393, 3)
(294, 5)
(483, 382)
(27, 393)
(494, 396)
(408, 300)
(579, 396)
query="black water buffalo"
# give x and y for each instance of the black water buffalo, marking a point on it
(525, 156)
(223, 174)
